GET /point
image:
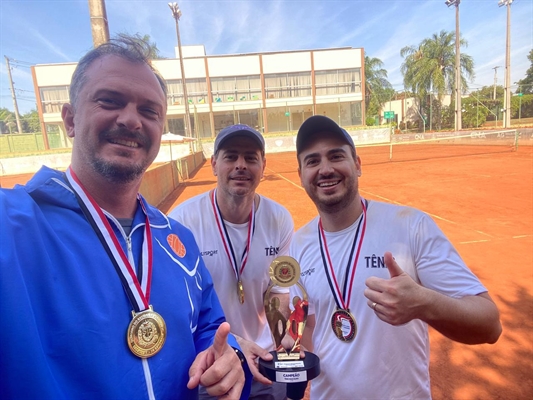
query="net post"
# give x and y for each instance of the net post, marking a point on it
(516, 134)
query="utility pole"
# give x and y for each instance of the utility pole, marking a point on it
(13, 95)
(495, 81)
(99, 26)
(458, 125)
(507, 96)
(176, 13)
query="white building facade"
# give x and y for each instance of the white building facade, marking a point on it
(273, 92)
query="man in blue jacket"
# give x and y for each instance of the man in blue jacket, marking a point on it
(103, 296)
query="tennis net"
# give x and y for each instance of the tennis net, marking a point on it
(422, 146)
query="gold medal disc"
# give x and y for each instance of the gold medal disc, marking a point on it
(147, 333)
(343, 325)
(240, 291)
(284, 271)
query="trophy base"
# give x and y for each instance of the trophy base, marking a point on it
(290, 371)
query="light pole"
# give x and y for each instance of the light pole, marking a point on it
(176, 13)
(457, 64)
(507, 96)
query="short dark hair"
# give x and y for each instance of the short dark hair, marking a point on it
(133, 49)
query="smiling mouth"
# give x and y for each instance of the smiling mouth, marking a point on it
(127, 143)
(328, 184)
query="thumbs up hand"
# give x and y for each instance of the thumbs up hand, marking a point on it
(397, 300)
(218, 368)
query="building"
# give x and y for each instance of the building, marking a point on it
(273, 92)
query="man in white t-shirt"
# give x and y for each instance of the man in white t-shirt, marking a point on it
(239, 234)
(377, 275)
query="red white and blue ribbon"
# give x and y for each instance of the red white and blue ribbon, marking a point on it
(228, 247)
(137, 287)
(342, 298)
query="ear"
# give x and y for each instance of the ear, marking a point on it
(67, 114)
(213, 164)
(358, 166)
(264, 166)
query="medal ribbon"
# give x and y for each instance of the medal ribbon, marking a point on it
(138, 292)
(342, 299)
(226, 239)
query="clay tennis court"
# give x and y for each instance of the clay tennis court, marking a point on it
(483, 200)
(484, 204)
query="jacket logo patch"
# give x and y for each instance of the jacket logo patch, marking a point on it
(175, 244)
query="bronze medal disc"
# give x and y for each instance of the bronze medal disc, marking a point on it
(284, 271)
(147, 333)
(343, 325)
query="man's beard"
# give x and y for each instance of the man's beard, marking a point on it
(118, 173)
(121, 173)
(337, 203)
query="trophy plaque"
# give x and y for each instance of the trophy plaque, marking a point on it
(287, 365)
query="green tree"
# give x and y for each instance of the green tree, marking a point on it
(485, 97)
(30, 122)
(430, 68)
(7, 119)
(474, 114)
(526, 84)
(378, 89)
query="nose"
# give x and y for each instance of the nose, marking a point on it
(129, 118)
(240, 163)
(325, 168)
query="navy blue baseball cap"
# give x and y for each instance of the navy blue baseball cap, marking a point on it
(238, 130)
(320, 123)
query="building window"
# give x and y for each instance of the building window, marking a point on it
(196, 91)
(53, 98)
(338, 81)
(278, 86)
(236, 88)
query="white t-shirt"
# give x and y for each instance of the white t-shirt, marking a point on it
(383, 361)
(273, 232)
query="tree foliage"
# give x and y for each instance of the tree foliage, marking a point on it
(378, 89)
(526, 84)
(430, 67)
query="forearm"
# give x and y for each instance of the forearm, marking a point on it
(469, 320)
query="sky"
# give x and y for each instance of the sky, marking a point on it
(58, 31)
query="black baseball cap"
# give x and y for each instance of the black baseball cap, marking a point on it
(238, 130)
(320, 123)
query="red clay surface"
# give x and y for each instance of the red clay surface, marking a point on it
(484, 204)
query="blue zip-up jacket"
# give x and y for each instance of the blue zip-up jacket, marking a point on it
(65, 313)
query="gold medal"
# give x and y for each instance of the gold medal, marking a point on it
(284, 271)
(240, 291)
(147, 333)
(343, 325)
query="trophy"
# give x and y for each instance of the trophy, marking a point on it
(286, 365)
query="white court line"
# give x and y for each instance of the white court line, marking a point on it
(433, 215)
(288, 180)
(386, 199)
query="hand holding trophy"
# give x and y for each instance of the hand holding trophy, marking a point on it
(287, 365)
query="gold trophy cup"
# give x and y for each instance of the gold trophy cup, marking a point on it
(288, 365)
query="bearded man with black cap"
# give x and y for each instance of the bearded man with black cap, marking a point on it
(239, 234)
(376, 275)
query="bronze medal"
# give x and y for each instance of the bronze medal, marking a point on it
(343, 325)
(147, 333)
(240, 291)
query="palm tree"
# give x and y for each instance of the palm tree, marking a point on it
(430, 67)
(378, 89)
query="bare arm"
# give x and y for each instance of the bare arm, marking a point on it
(470, 319)
(307, 337)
